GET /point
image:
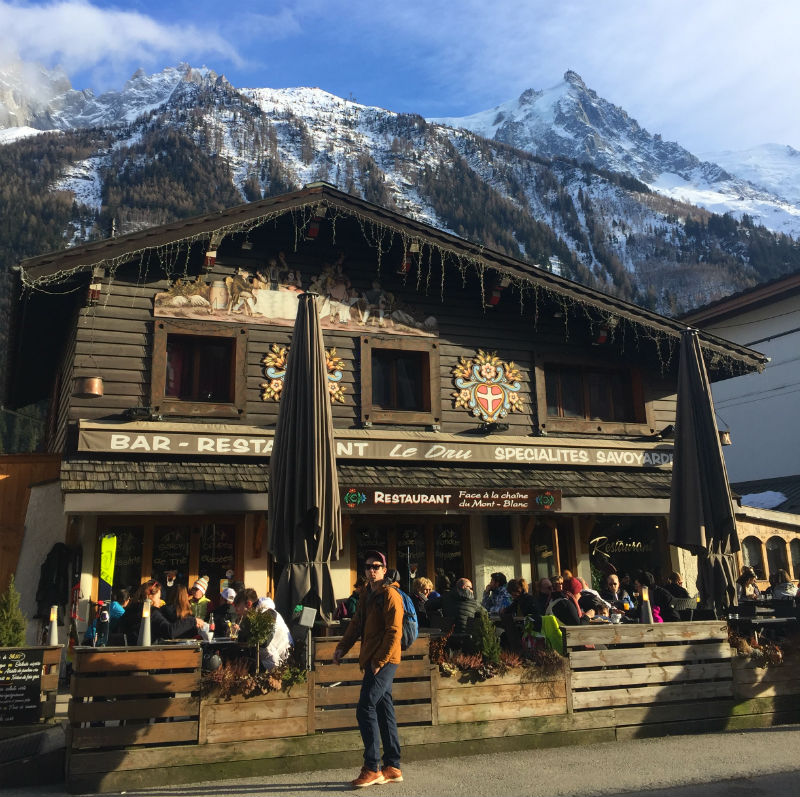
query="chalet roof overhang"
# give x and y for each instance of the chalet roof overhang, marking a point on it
(166, 475)
(727, 358)
(744, 301)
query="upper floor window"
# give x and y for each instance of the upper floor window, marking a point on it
(399, 381)
(587, 393)
(583, 397)
(198, 370)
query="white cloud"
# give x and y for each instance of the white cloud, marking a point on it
(718, 70)
(110, 43)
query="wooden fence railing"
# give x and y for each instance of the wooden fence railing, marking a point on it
(137, 717)
(121, 697)
(336, 687)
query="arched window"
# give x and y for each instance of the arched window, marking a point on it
(794, 548)
(776, 555)
(751, 555)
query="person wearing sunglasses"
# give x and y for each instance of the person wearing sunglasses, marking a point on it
(378, 622)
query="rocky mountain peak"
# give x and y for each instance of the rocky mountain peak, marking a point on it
(574, 79)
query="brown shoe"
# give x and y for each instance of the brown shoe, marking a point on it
(367, 778)
(391, 775)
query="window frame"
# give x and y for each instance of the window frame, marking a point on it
(643, 410)
(148, 523)
(371, 414)
(161, 404)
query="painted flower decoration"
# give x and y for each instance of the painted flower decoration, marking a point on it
(274, 368)
(488, 371)
(487, 386)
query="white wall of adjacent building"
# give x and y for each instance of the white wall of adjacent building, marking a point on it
(763, 410)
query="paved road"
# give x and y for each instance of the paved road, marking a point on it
(756, 763)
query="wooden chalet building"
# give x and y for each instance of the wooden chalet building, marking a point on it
(489, 414)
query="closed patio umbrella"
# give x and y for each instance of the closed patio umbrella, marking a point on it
(701, 517)
(305, 526)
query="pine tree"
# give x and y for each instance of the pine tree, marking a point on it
(12, 620)
(484, 637)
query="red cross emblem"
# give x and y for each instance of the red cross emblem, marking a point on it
(490, 399)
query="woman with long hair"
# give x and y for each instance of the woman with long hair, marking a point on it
(179, 608)
(161, 625)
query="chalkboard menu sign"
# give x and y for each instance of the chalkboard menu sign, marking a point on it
(217, 553)
(448, 554)
(368, 538)
(171, 551)
(128, 561)
(20, 686)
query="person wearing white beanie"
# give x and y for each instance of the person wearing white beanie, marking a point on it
(276, 651)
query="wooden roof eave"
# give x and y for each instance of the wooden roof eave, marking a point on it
(69, 262)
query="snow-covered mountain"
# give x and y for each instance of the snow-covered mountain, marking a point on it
(569, 120)
(546, 178)
(774, 167)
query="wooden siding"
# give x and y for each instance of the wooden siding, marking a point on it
(114, 339)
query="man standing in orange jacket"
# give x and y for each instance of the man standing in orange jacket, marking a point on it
(378, 622)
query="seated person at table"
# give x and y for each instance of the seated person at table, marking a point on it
(746, 587)
(421, 589)
(160, 626)
(225, 613)
(495, 596)
(276, 650)
(522, 603)
(675, 586)
(783, 588)
(175, 621)
(458, 608)
(565, 607)
(589, 600)
(120, 599)
(544, 591)
(658, 596)
(198, 601)
(615, 594)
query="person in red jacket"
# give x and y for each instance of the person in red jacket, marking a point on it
(378, 622)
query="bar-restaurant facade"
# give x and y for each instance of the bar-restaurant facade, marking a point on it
(489, 414)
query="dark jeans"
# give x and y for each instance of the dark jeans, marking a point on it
(376, 721)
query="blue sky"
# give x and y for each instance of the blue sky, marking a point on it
(711, 74)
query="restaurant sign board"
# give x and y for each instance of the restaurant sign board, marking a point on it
(496, 499)
(20, 686)
(258, 444)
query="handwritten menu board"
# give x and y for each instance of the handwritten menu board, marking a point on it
(368, 538)
(20, 686)
(448, 556)
(128, 561)
(171, 551)
(217, 553)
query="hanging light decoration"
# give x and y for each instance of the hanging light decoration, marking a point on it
(500, 284)
(313, 226)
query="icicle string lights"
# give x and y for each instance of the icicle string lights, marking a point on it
(569, 299)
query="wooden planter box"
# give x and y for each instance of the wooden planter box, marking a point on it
(510, 696)
(751, 682)
(275, 715)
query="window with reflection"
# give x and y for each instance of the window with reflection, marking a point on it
(751, 556)
(794, 548)
(776, 555)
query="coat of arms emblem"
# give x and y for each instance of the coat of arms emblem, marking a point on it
(487, 386)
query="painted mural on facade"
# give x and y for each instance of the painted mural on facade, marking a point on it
(269, 295)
